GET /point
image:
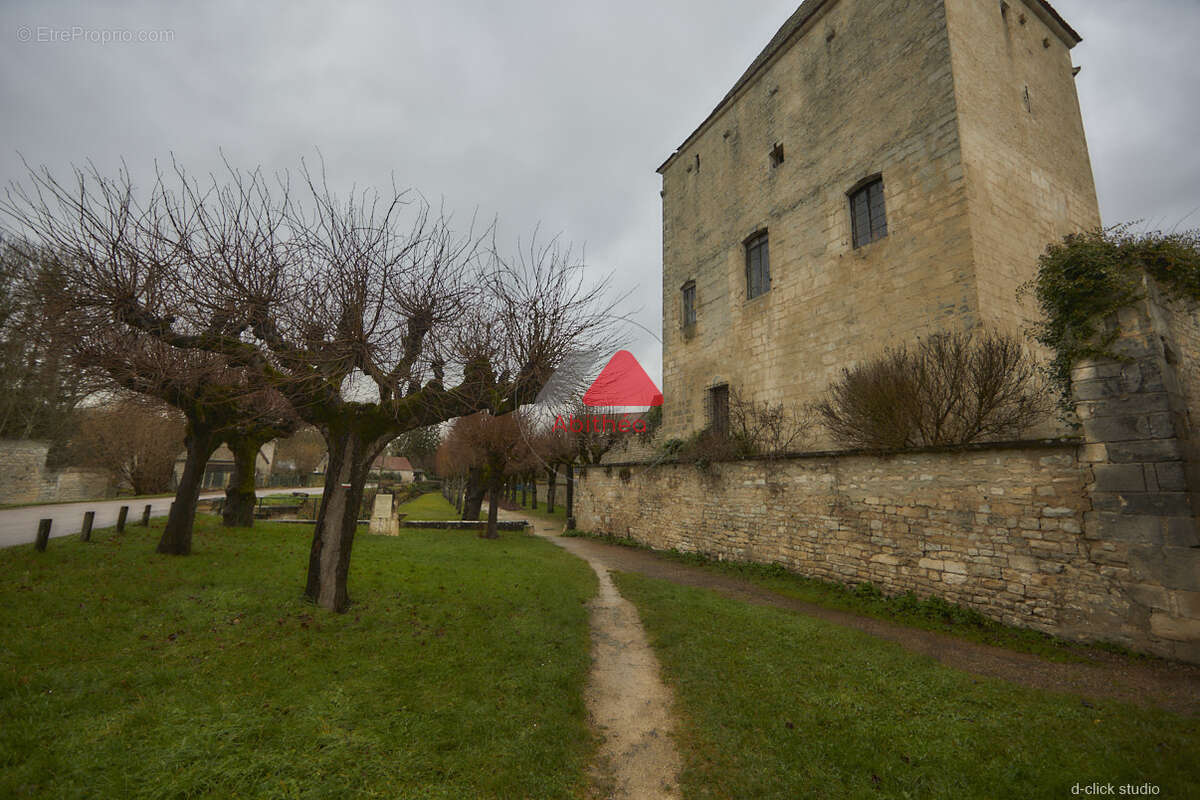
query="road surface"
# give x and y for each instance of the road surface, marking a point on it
(19, 525)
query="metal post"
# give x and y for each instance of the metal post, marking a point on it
(43, 534)
(122, 515)
(85, 533)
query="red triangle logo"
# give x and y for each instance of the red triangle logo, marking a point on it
(622, 382)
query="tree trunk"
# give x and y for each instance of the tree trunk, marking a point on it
(570, 492)
(177, 535)
(551, 488)
(473, 503)
(350, 456)
(533, 490)
(240, 496)
(524, 494)
(492, 532)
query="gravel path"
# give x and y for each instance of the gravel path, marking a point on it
(628, 703)
(1157, 683)
(1170, 685)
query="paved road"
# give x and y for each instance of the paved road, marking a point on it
(19, 525)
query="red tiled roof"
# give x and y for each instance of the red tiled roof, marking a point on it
(392, 464)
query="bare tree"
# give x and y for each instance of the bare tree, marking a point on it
(42, 388)
(301, 452)
(367, 326)
(419, 446)
(489, 450)
(950, 388)
(135, 441)
(767, 429)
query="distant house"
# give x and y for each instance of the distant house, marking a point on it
(219, 470)
(394, 467)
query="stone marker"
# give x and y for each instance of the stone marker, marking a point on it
(121, 517)
(146, 515)
(85, 533)
(384, 521)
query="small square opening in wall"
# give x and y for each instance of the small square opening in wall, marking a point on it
(777, 155)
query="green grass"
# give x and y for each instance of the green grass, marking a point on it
(560, 505)
(933, 613)
(458, 672)
(775, 704)
(429, 507)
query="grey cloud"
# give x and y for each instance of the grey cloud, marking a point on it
(541, 112)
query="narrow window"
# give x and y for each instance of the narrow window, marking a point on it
(758, 265)
(689, 304)
(718, 409)
(868, 219)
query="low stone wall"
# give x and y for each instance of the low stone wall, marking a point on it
(463, 525)
(24, 477)
(1005, 529)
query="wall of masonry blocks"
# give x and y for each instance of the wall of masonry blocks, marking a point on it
(1091, 538)
(24, 477)
(1137, 417)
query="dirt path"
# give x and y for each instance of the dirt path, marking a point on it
(628, 702)
(1168, 685)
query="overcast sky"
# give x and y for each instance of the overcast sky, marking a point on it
(533, 111)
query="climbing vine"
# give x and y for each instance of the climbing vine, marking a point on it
(1085, 279)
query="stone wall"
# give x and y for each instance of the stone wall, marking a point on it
(1006, 530)
(24, 477)
(1092, 538)
(1137, 416)
(929, 94)
(1028, 174)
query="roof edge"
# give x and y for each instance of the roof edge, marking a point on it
(1054, 21)
(793, 28)
(798, 24)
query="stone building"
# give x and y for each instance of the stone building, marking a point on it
(883, 169)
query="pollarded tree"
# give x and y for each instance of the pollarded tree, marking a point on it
(489, 450)
(110, 255)
(368, 327)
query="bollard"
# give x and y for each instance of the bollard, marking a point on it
(85, 533)
(146, 516)
(121, 515)
(43, 535)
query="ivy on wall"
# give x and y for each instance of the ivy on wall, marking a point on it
(1085, 279)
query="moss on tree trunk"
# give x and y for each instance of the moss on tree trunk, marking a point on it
(176, 538)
